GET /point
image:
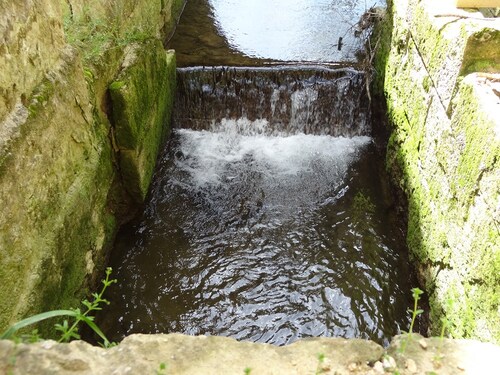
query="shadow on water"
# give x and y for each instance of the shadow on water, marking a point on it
(270, 217)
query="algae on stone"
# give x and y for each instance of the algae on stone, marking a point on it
(141, 99)
(56, 182)
(61, 189)
(443, 152)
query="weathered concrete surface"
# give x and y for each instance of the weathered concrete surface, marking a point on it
(181, 354)
(443, 356)
(444, 152)
(62, 192)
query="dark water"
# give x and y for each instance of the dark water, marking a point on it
(264, 238)
(270, 217)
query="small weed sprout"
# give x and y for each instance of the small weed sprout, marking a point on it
(416, 292)
(68, 331)
(247, 370)
(319, 367)
(444, 326)
(161, 369)
(445, 323)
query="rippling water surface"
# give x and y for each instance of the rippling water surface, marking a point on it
(263, 238)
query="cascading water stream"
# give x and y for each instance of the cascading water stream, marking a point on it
(294, 99)
(263, 222)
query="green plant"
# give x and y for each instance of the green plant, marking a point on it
(444, 325)
(416, 292)
(362, 203)
(161, 369)
(68, 331)
(247, 370)
(93, 35)
(31, 337)
(319, 367)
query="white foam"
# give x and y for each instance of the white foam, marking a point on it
(285, 170)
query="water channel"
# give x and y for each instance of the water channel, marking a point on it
(270, 217)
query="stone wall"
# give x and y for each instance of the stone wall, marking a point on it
(439, 65)
(63, 186)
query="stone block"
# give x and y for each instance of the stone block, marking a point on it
(142, 98)
(444, 153)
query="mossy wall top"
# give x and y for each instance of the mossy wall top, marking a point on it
(445, 153)
(62, 192)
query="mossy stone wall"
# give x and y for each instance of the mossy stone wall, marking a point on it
(145, 82)
(437, 73)
(63, 186)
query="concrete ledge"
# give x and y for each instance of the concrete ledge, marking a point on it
(181, 354)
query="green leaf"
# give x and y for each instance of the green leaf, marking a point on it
(35, 319)
(417, 292)
(96, 329)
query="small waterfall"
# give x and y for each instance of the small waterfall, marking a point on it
(291, 100)
(269, 217)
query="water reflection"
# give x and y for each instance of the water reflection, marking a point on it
(273, 30)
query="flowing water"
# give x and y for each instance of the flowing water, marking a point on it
(270, 217)
(320, 101)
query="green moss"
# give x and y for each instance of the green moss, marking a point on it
(447, 170)
(363, 204)
(426, 83)
(149, 84)
(57, 215)
(40, 96)
(381, 36)
(480, 154)
(482, 52)
(116, 85)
